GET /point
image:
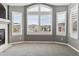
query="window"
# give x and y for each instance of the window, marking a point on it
(16, 23)
(39, 20)
(61, 23)
(45, 23)
(32, 23)
(73, 21)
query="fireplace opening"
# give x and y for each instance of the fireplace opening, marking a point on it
(2, 36)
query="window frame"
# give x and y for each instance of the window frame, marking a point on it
(72, 34)
(41, 33)
(20, 14)
(61, 33)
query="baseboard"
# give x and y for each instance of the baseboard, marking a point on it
(17, 42)
(73, 48)
(68, 45)
(4, 47)
(61, 43)
(38, 42)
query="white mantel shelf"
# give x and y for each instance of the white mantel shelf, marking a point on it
(4, 25)
(4, 21)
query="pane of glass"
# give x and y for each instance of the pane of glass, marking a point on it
(32, 23)
(45, 22)
(33, 8)
(17, 19)
(16, 28)
(16, 22)
(61, 23)
(74, 26)
(74, 18)
(74, 21)
(44, 8)
(61, 27)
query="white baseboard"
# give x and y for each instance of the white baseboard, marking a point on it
(73, 48)
(38, 42)
(68, 45)
(4, 47)
(61, 43)
(17, 42)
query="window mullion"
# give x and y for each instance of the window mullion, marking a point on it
(39, 15)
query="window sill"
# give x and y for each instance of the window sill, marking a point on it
(61, 34)
(16, 34)
(43, 33)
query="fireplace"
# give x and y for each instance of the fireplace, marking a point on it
(2, 36)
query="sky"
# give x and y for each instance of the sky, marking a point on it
(34, 19)
(61, 18)
(17, 19)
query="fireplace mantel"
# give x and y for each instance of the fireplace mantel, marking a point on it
(4, 21)
(4, 25)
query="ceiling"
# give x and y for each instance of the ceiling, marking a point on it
(22, 4)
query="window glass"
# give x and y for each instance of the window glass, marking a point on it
(16, 23)
(61, 23)
(45, 22)
(74, 21)
(39, 21)
(34, 9)
(32, 23)
(44, 8)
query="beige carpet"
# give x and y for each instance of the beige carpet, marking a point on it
(52, 49)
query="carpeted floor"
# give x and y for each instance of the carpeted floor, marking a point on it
(52, 49)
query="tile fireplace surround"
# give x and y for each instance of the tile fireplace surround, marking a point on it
(4, 25)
